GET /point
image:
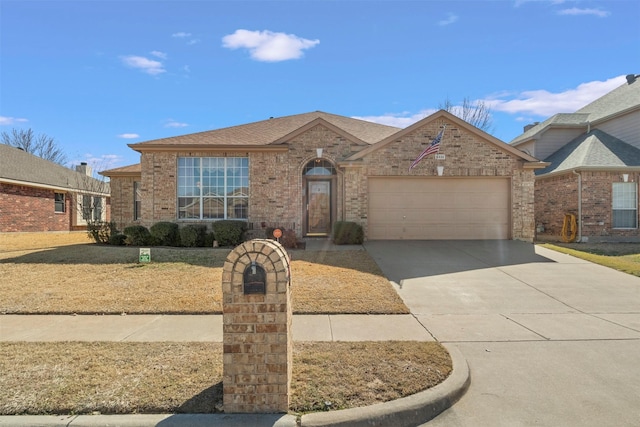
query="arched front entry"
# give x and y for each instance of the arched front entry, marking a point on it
(319, 197)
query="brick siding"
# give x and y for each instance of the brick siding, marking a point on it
(558, 195)
(276, 190)
(29, 209)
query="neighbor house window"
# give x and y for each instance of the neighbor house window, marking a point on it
(625, 205)
(97, 208)
(213, 187)
(59, 202)
(137, 200)
(91, 208)
(86, 207)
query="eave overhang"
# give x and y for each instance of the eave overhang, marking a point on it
(281, 148)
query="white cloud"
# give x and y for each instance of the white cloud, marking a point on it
(451, 18)
(159, 54)
(576, 11)
(181, 35)
(129, 135)
(268, 46)
(544, 103)
(193, 41)
(7, 121)
(146, 65)
(174, 124)
(400, 120)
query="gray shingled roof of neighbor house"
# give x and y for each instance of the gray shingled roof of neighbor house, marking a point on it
(623, 98)
(21, 168)
(596, 149)
(268, 131)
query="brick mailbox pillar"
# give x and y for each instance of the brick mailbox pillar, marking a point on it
(256, 328)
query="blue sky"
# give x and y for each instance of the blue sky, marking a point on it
(98, 75)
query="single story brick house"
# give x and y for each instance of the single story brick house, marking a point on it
(37, 195)
(594, 168)
(306, 171)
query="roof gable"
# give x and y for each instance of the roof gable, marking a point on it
(596, 149)
(619, 101)
(22, 168)
(450, 118)
(270, 132)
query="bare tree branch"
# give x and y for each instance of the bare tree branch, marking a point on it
(42, 145)
(475, 113)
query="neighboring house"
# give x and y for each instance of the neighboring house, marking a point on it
(594, 157)
(307, 171)
(39, 195)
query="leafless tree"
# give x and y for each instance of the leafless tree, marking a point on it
(41, 145)
(476, 113)
(90, 203)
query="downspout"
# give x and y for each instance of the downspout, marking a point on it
(579, 205)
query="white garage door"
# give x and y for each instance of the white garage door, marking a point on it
(439, 208)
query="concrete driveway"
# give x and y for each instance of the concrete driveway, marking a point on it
(551, 340)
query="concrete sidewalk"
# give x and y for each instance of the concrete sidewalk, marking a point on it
(186, 328)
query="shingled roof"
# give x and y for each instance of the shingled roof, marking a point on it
(21, 168)
(272, 131)
(130, 170)
(620, 100)
(596, 150)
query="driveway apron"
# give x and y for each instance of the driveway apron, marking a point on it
(550, 339)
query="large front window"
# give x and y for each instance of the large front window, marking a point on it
(625, 205)
(213, 187)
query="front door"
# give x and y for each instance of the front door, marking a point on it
(319, 207)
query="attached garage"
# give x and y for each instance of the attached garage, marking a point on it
(434, 208)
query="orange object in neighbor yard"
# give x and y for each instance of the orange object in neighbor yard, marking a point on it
(569, 228)
(277, 233)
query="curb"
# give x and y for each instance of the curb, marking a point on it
(405, 412)
(408, 411)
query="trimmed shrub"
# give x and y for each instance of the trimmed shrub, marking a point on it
(193, 235)
(347, 233)
(165, 234)
(208, 239)
(101, 231)
(229, 232)
(117, 239)
(137, 235)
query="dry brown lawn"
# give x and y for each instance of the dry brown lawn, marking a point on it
(65, 273)
(83, 378)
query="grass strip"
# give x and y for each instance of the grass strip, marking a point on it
(123, 378)
(627, 261)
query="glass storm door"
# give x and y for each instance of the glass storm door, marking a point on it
(319, 207)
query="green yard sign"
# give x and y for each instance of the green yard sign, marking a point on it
(145, 255)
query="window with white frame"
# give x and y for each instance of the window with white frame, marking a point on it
(91, 208)
(59, 202)
(625, 205)
(213, 187)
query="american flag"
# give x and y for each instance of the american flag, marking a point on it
(432, 148)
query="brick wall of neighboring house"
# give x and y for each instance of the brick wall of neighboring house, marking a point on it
(555, 197)
(29, 209)
(558, 195)
(276, 181)
(121, 207)
(466, 156)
